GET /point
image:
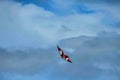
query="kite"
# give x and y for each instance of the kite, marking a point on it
(63, 55)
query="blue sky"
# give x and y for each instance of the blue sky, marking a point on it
(88, 31)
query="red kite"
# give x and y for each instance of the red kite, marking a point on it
(63, 55)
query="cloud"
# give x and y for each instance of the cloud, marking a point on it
(97, 55)
(31, 25)
(89, 34)
(93, 58)
(24, 24)
(26, 62)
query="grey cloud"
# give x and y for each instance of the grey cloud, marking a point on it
(94, 57)
(26, 62)
(65, 28)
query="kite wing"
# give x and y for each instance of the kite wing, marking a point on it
(63, 55)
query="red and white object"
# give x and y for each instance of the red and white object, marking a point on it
(63, 55)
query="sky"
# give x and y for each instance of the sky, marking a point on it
(87, 30)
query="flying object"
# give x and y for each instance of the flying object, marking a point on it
(63, 55)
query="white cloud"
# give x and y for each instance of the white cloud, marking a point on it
(30, 25)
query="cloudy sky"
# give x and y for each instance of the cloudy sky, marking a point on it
(87, 30)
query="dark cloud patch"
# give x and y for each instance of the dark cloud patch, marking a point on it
(114, 24)
(110, 21)
(65, 28)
